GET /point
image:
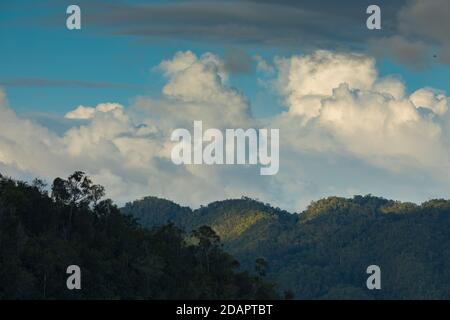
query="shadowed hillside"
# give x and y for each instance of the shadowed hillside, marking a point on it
(41, 235)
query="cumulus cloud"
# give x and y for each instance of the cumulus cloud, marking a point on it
(341, 105)
(84, 113)
(197, 89)
(128, 149)
(431, 99)
(305, 80)
(345, 130)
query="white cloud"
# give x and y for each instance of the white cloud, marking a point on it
(128, 149)
(431, 99)
(337, 103)
(305, 80)
(88, 112)
(345, 130)
(197, 90)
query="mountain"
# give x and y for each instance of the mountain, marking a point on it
(155, 249)
(42, 234)
(323, 252)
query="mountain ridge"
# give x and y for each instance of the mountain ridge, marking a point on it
(323, 252)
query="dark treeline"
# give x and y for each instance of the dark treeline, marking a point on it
(42, 233)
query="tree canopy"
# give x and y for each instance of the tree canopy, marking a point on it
(324, 251)
(41, 234)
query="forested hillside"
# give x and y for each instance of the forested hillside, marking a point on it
(324, 251)
(321, 253)
(41, 234)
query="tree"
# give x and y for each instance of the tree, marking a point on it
(77, 190)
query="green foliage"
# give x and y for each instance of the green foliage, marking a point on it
(323, 252)
(165, 211)
(40, 236)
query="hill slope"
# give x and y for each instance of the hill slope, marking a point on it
(41, 235)
(324, 251)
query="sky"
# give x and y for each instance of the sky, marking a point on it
(359, 111)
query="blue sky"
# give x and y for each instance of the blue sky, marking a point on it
(31, 49)
(86, 55)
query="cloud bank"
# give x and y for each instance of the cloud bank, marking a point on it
(343, 131)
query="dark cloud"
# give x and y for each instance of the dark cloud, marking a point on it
(277, 23)
(412, 30)
(238, 60)
(422, 34)
(41, 82)
(412, 53)
(426, 19)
